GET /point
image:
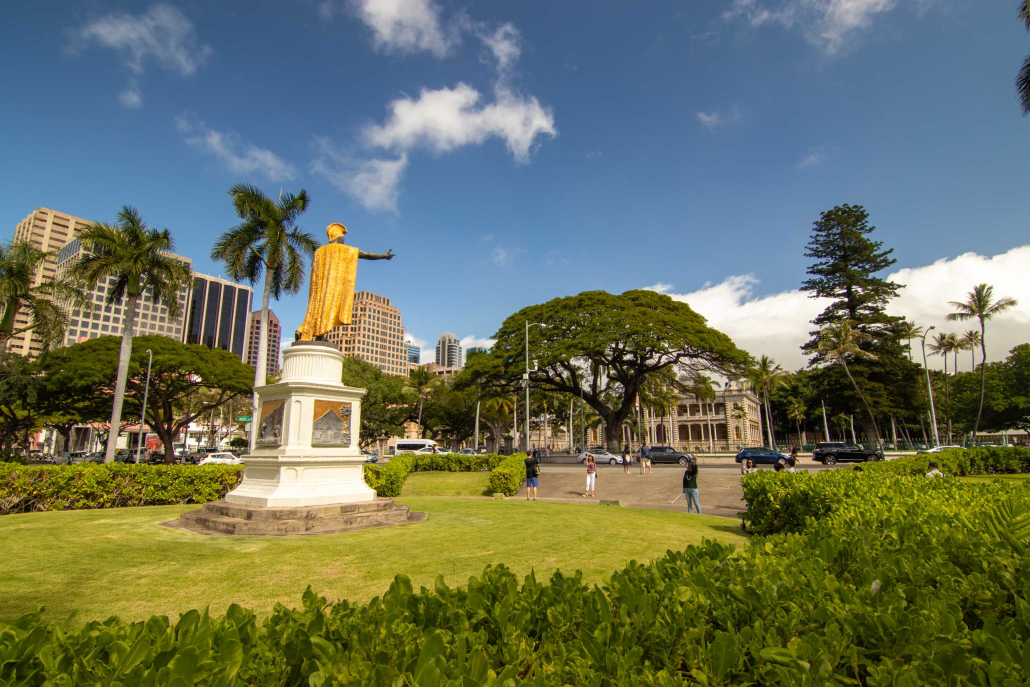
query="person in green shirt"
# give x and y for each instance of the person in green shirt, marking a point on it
(690, 486)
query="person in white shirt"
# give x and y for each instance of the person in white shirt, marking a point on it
(791, 462)
(934, 472)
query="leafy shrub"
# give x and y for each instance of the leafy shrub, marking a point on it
(239, 443)
(903, 584)
(73, 487)
(388, 479)
(782, 502)
(508, 475)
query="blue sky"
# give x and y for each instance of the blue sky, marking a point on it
(510, 153)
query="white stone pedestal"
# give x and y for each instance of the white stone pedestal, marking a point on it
(306, 450)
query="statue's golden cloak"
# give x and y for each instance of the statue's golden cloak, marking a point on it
(333, 272)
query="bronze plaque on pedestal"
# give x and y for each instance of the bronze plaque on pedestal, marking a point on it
(331, 425)
(270, 429)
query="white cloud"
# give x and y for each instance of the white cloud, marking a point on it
(162, 34)
(504, 44)
(448, 118)
(716, 118)
(237, 156)
(131, 98)
(778, 324)
(814, 158)
(405, 26)
(594, 155)
(375, 183)
(501, 255)
(832, 25)
(412, 339)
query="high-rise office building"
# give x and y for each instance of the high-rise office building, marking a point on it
(474, 351)
(48, 230)
(218, 314)
(375, 334)
(414, 353)
(448, 350)
(106, 319)
(274, 341)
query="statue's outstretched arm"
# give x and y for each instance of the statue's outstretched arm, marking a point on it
(388, 255)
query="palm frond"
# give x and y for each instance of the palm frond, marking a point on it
(1023, 86)
(1009, 521)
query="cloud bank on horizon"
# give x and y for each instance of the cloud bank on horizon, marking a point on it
(778, 324)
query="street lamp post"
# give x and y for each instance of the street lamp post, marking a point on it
(525, 377)
(929, 389)
(146, 390)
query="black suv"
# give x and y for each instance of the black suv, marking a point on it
(833, 452)
(667, 454)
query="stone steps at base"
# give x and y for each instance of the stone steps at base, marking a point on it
(231, 510)
(213, 518)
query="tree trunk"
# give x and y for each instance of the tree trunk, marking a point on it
(983, 378)
(864, 402)
(262, 358)
(768, 419)
(7, 326)
(167, 436)
(421, 431)
(128, 324)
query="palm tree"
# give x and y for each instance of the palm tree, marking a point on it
(658, 394)
(907, 331)
(796, 412)
(969, 342)
(1023, 78)
(943, 344)
(701, 388)
(980, 304)
(266, 242)
(840, 341)
(422, 383)
(45, 303)
(767, 375)
(137, 258)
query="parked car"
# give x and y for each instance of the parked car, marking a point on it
(760, 455)
(601, 456)
(938, 449)
(468, 452)
(220, 459)
(833, 452)
(667, 454)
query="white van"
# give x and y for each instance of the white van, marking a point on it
(419, 446)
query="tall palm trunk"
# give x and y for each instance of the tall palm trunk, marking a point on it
(983, 379)
(768, 418)
(864, 402)
(947, 395)
(128, 324)
(262, 359)
(420, 430)
(711, 442)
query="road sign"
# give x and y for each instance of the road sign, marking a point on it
(244, 418)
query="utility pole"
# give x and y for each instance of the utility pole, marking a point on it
(826, 424)
(929, 389)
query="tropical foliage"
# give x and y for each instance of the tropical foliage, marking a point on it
(134, 259)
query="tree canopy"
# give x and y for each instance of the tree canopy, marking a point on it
(601, 347)
(178, 372)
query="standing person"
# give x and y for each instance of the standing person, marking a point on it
(794, 452)
(690, 485)
(547, 451)
(626, 458)
(591, 475)
(532, 475)
(645, 456)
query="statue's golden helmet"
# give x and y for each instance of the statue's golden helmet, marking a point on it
(335, 231)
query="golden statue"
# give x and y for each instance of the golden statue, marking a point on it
(333, 272)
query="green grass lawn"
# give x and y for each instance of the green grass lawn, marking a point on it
(446, 484)
(992, 478)
(123, 562)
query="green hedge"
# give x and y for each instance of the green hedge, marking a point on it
(906, 583)
(782, 502)
(388, 479)
(111, 485)
(508, 475)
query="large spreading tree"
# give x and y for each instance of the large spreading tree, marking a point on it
(847, 271)
(602, 347)
(187, 381)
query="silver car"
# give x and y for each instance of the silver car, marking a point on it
(601, 456)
